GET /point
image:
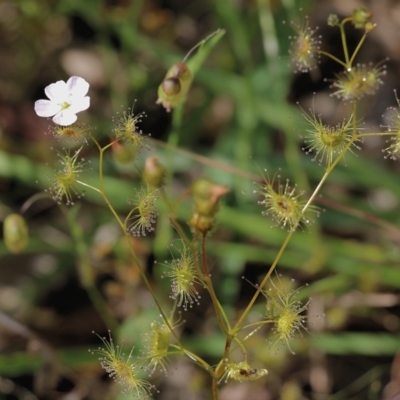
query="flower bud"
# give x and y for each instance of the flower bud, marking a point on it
(154, 173)
(206, 190)
(360, 17)
(15, 232)
(333, 20)
(201, 189)
(369, 26)
(123, 154)
(205, 196)
(202, 223)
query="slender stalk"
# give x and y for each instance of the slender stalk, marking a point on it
(322, 52)
(32, 200)
(258, 323)
(147, 283)
(244, 351)
(344, 42)
(88, 186)
(290, 234)
(264, 281)
(203, 364)
(357, 49)
(177, 116)
(362, 135)
(127, 237)
(215, 392)
(221, 317)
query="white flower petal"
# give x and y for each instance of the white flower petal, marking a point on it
(66, 99)
(65, 117)
(78, 105)
(57, 92)
(46, 108)
(77, 86)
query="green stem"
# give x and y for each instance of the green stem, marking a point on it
(207, 367)
(244, 351)
(264, 322)
(221, 317)
(32, 200)
(173, 220)
(326, 174)
(289, 236)
(322, 52)
(177, 114)
(215, 389)
(88, 186)
(264, 281)
(357, 49)
(362, 135)
(123, 227)
(344, 42)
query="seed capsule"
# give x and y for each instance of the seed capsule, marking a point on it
(175, 86)
(171, 86)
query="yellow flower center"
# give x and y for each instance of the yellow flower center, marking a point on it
(65, 105)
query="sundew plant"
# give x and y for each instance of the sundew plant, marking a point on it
(182, 254)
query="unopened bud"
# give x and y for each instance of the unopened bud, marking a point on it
(202, 223)
(154, 173)
(361, 16)
(122, 153)
(333, 20)
(15, 232)
(204, 189)
(369, 26)
(206, 197)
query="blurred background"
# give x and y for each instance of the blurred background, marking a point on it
(241, 111)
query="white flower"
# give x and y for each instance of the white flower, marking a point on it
(66, 99)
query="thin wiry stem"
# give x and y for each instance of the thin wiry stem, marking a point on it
(221, 317)
(289, 236)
